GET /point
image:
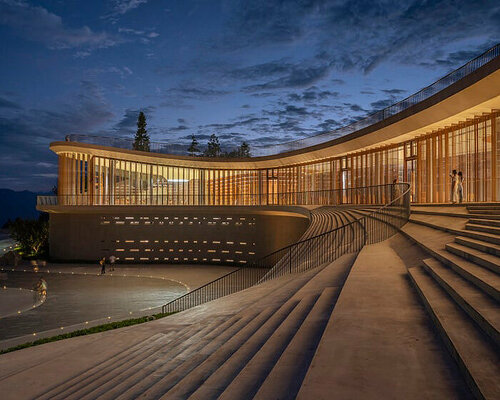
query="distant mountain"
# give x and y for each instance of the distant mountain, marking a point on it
(17, 204)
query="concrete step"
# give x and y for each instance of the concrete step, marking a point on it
(484, 207)
(476, 256)
(484, 221)
(477, 359)
(71, 385)
(191, 373)
(479, 306)
(257, 356)
(483, 228)
(483, 278)
(484, 211)
(118, 381)
(285, 378)
(485, 247)
(249, 343)
(205, 345)
(486, 237)
(100, 383)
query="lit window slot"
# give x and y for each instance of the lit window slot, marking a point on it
(165, 241)
(147, 249)
(176, 241)
(215, 259)
(157, 218)
(210, 251)
(176, 259)
(156, 258)
(119, 249)
(116, 217)
(171, 250)
(195, 259)
(215, 241)
(181, 250)
(204, 259)
(225, 251)
(134, 249)
(119, 222)
(147, 222)
(185, 259)
(160, 250)
(243, 243)
(242, 218)
(105, 222)
(230, 260)
(156, 241)
(186, 241)
(165, 258)
(251, 253)
(144, 258)
(144, 217)
(238, 252)
(229, 218)
(144, 241)
(134, 223)
(243, 261)
(204, 241)
(216, 218)
(129, 217)
(230, 242)
(129, 258)
(186, 218)
(176, 217)
(195, 241)
(129, 241)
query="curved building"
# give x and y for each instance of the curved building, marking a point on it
(452, 124)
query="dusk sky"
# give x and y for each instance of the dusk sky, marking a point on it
(263, 71)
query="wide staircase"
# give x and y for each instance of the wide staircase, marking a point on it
(256, 343)
(460, 286)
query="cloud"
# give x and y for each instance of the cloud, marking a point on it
(312, 94)
(25, 137)
(4, 103)
(121, 7)
(296, 77)
(128, 123)
(145, 35)
(38, 24)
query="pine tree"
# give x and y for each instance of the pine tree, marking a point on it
(141, 140)
(193, 148)
(244, 150)
(213, 147)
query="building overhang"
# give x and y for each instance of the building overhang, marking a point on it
(471, 96)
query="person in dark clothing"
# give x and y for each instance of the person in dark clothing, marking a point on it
(102, 262)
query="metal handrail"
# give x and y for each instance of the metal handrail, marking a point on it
(277, 264)
(361, 195)
(378, 116)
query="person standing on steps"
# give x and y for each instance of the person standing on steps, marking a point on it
(460, 187)
(454, 186)
(102, 262)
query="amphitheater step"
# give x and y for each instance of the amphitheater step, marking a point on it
(479, 257)
(286, 376)
(483, 228)
(486, 237)
(61, 391)
(476, 356)
(431, 239)
(104, 383)
(484, 207)
(184, 379)
(257, 355)
(484, 211)
(120, 384)
(481, 221)
(485, 247)
(101, 382)
(150, 386)
(479, 306)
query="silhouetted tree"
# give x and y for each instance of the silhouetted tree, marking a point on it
(244, 150)
(31, 234)
(141, 140)
(213, 147)
(193, 148)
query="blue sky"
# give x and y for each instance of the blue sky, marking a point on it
(261, 71)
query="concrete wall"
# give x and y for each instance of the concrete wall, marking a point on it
(218, 235)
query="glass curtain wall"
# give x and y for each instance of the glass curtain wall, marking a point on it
(426, 162)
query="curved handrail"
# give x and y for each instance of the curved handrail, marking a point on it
(260, 271)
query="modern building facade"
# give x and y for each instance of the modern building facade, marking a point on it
(452, 124)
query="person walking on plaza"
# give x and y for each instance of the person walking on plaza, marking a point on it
(102, 262)
(112, 260)
(460, 187)
(454, 186)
